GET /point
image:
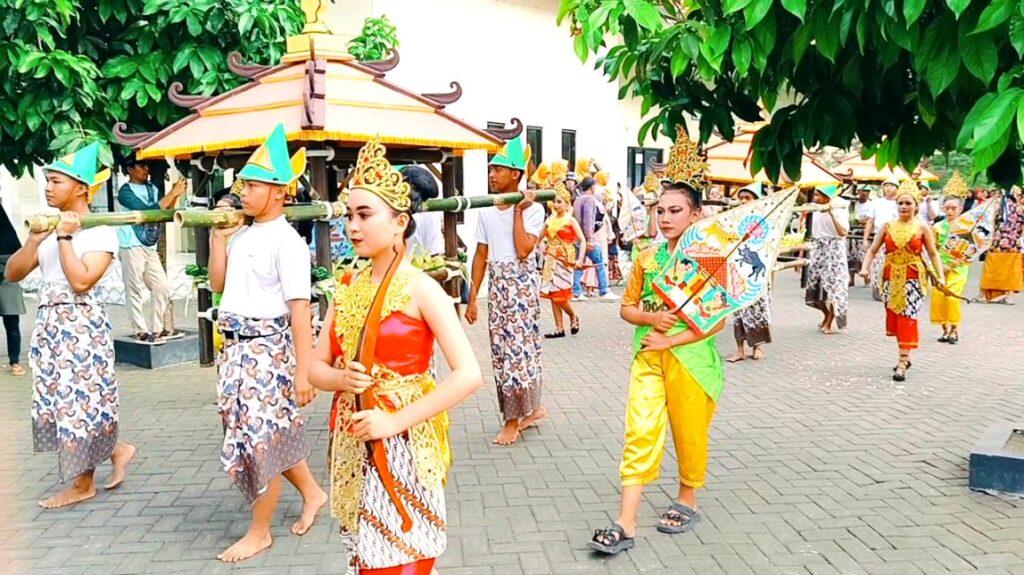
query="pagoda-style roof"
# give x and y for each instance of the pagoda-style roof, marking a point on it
(862, 170)
(729, 162)
(320, 95)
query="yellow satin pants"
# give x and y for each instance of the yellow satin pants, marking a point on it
(945, 309)
(662, 392)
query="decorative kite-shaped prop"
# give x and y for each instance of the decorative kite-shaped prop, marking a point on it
(724, 263)
(970, 235)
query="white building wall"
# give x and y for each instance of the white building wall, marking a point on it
(512, 61)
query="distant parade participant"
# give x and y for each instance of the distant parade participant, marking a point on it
(945, 308)
(883, 211)
(506, 239)
(75, 395)
(828, 286)
(752, 326)
(389, 453)
(904, 279)
(263, 272)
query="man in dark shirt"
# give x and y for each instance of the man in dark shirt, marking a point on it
(586, 212)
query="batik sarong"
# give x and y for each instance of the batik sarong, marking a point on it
(74, 389)
(513, 318)
(263, 428)
(753, 324)
(828, 285)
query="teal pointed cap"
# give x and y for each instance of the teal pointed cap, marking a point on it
(514, 155)
(829, 191)
(83, 165)
(270, 162)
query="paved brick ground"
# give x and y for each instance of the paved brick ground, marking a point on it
(819, 464)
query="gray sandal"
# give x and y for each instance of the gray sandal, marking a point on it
(611, 540)
(682, 519)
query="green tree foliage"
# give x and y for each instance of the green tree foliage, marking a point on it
(377, 39)
(70, 69)
(905, 77)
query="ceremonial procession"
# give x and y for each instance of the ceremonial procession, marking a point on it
(241, 249)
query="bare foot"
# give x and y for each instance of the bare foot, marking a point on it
(829, 331)
(246, 547)
(534, 418)
(737, 357)
(758, 353)
(309, 510)
(70, 496)
(123, 454)
(509, 434)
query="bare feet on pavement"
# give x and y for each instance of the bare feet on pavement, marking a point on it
(509, 434)
(309, 510)
(123, 455)
(533, 419)
(70, 496)
(246, 547)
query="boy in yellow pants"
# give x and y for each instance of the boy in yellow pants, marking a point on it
(945, 309)
(675, 379)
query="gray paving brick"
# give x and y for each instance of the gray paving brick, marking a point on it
(818, 465)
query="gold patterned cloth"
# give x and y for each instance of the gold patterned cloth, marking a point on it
(905, 256)
(428, 440)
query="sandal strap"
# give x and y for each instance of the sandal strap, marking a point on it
(609, 535)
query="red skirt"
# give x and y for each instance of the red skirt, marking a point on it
(903, 328)
(561, 296)
(422, 567)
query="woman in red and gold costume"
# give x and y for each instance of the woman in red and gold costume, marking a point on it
(389, 452)
(904, 278)
(561, 234)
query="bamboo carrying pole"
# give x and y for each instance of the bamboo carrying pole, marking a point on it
(305, 212)
(46, 222)
(230, 218)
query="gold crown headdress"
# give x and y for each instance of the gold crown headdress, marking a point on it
(652, 183)
(956, 186)
(909, 187)
(374, 174)
(685, 162)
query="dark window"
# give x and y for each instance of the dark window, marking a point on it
(535, 138)
(494, 126)
(569, 147)
(638, 162)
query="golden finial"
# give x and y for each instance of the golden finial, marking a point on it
(374, 174)
(956, 186)
(685, 162)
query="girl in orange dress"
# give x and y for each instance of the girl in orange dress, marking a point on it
(388, 452)
(904, 281)
(561, 233)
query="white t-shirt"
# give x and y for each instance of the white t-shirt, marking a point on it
(864, 211)
(822, 225)
(428, 233)
(922, 211)
(268, 265)
(494, 227)
(884, 211)
(84, 241)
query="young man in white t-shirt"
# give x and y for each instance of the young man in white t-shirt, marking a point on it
(263, 273)
(75, 396)
(883, 211)
(506, 239)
